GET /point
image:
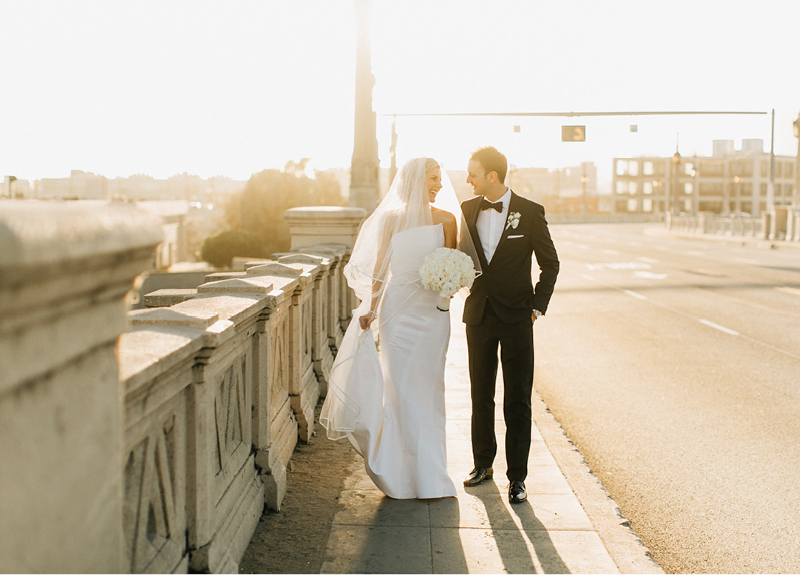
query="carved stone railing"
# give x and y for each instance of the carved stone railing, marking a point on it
(65, 270)
(780, 224)
(159, 454)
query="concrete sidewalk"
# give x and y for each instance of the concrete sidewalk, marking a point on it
(564, 527)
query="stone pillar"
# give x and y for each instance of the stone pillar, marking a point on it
(364, 181)
(65, 270)
(322, 355)
(315, 226)
(303, 384)
(777, 229)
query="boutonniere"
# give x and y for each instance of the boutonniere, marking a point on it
(513, 220)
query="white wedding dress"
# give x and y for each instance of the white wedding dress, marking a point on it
(396, 402)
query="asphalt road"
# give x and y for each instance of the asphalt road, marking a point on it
(674, 366)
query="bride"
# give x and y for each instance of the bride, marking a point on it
(391, 406)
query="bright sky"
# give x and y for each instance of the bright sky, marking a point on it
(234, 87)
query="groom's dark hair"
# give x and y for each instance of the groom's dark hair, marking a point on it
(492, 161)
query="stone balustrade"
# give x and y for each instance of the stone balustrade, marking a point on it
(152, 443)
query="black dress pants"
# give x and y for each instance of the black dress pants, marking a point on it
(516, 355)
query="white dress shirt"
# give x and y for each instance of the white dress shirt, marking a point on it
(490, 226)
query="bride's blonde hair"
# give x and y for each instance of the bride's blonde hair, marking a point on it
(430, 164)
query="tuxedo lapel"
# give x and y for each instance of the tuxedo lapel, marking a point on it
(472, 226)
(512, 206)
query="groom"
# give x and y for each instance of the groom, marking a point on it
(500, 310)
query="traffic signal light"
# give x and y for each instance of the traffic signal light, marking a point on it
(573, 133)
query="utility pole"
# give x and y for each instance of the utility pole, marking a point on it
(796, 195)
(771, 184)
(676, 161)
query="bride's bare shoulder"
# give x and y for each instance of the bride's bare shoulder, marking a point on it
(442, 216)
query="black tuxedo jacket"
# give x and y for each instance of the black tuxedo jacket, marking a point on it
(506, 281)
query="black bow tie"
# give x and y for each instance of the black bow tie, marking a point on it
(487, 205)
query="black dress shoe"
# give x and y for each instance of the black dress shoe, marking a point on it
(516, 492)
(477, 475)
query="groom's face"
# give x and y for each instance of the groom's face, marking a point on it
(476, 177)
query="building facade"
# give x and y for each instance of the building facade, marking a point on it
(729, 182)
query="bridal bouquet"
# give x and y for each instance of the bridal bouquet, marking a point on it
(446, 270)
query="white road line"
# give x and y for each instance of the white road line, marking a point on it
(647, 260)
(634, 294)
(706, 322)
(792, 291)
(718, 327)
(694, 253)
(650, 275)
(747, 261)
(611, 252)
(590, 278)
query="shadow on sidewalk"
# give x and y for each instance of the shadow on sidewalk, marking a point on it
(512, 542)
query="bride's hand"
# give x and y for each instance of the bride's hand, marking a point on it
(365, 320)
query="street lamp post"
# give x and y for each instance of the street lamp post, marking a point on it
(584, 179)
(676, 159)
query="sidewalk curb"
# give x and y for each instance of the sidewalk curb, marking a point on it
(624, 546)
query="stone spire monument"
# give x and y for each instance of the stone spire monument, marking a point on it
(364, 183)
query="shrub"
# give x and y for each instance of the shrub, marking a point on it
(220, 248)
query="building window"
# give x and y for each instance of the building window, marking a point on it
(633, 205)
(633, 188)
(763, 189)
(647, 188)
(633, 168)
(778, 169)
(622, 187)
(764, 168)
(747, 207)
(710, 189)
(688, 168)
(714, 207)
(711, 168)
(647, 168)
(688, 188)
(789, 170)
(687, 205)
(622, 167)
(647, 205)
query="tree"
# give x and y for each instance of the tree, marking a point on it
(259, 208)
(220, 248)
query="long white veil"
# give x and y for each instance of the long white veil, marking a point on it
(356, 372)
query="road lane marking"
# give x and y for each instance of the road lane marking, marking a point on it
(693, 317)
(634, 294)
(792, 291)
(719, 327)
(611, 252)
(619, 266)
(582, 246)
(747, 261)
(590, 278)
(706, 273)
(650, 275)
(647, 260)
(694, 253)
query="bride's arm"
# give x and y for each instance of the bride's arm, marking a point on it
(379, 275)
(449, 226)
